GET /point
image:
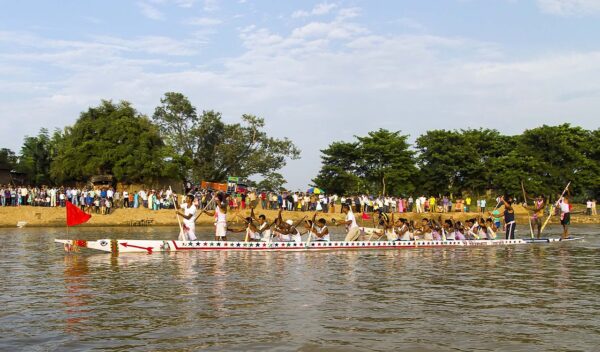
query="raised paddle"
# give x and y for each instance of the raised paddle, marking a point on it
(554, 206)
(528, 216)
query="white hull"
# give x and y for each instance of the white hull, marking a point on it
(152, 246)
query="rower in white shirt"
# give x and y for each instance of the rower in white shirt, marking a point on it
(353, 231)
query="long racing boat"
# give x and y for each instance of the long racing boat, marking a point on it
(116, 246)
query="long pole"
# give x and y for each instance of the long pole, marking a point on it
(181, 234)
(554, 206)
(528, 216)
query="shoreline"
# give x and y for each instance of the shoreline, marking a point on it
(129, 217)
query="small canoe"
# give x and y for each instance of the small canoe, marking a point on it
(116, 246)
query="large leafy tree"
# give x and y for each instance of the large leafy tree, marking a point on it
(387, 162)
(380, 162)
(459, 160)
(8, 158)
(339, 163)
(561, 154)
(36, 156)
(111, 139)
(206, 148)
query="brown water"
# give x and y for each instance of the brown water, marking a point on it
(529, 298)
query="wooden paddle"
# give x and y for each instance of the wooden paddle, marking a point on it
(181, 234)
(528, 216)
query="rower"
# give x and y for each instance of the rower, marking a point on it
(262, 225)
(189, 219)
(565, 216)
(288, 232)
(448, 230)
(509, 217)
(471, 229)
(252, 232)
(538, 214)
(490, 229)
(220, 214)
(403, 231)
(351, 226)
(322, 233)
(424, 231)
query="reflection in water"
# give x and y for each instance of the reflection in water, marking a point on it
(77, 295)
(534, 298)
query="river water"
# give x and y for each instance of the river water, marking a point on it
(529, 298)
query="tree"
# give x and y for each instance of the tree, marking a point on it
(380, 162)
(36, 156)
(337, 170)
(272, 182)
(8, 158)
(111, 139)
(176, 119)
(459, 160)
(206, 148)
(387, 162)
(564, 154)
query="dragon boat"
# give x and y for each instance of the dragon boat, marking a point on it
(116, 246)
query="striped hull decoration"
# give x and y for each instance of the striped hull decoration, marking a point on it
(153, 246)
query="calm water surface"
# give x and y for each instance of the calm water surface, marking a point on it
(531, 298)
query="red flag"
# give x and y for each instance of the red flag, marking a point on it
(366, 216)
(75, 216)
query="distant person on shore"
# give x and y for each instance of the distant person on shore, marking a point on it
(588, 207)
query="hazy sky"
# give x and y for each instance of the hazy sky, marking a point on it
(316, 71)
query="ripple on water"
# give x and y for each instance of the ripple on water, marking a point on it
(538, 298)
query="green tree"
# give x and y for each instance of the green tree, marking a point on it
(387, 162)
(8, 158)
(337, 174)
(36, 156)
(206, 148)
(562, 153)
(272, 182)
(459, 160)
(111, 139)
(380, 162)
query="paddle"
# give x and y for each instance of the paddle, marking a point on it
(554, 206)
(181, 234)
(310, 231)
(528, 216)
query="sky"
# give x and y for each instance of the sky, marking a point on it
(317, 72)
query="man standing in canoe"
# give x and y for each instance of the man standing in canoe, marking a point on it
(509, 217)
(220, 215)
(565, 216)
(189, 219)
(351, 225)
(538, 214)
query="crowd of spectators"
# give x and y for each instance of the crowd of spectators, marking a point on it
(97, 200)
(102, 200)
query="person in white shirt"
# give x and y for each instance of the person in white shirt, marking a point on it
(220, 214)
(351, 225)
(588, 206)
(188, 213)
(565, 216)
